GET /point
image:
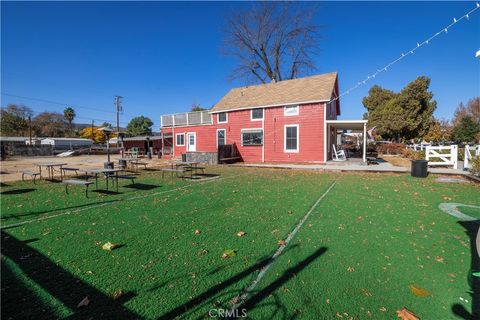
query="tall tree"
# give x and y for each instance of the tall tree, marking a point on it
(50, 124)
(14, 120)
(139, 126)
(197, 107)
(466, 130)
(96, 135)
(438, 131)
(69, 114)
(472, 109)
(272, 41)
(404, 115)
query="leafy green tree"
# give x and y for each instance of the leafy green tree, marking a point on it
(403, 115)
(14, 120)
(139, 126)
(69, 114)
(466, 130)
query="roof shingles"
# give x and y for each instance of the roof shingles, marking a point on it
(308, 89)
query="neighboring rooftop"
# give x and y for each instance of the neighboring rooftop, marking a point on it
(302, 90)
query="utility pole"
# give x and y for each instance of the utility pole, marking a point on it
(118, 107)
(30, 129)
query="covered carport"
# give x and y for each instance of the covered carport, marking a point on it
(333, 127)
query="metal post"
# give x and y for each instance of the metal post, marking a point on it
(364, 143)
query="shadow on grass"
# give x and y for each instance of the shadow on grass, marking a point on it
(17, 191)
(3, 185)
(212, 293)
(17, 216)
(19, 301)
(107, 192)
(141, 186)
(471, 229)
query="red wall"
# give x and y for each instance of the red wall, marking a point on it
(311, 134)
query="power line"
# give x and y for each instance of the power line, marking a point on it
(409, 52)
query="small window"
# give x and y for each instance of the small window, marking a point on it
(222, 117)
(180, 139)
(221, 137)
(257, 114)
(252, 137)
(291, 138)
(291, 111)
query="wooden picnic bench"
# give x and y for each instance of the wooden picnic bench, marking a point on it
(77, 182)
(31, 174)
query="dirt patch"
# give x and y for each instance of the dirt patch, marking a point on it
(397, 161)
(11, 168)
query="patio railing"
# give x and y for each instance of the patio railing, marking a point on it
(186, 119)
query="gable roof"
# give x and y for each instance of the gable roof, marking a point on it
(302, 90)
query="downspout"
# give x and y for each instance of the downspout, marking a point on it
(263, 130)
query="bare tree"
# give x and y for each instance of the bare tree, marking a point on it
(273, 41)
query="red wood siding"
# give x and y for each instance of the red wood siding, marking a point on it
(310, 123)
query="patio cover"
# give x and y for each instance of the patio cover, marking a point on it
(356, 125)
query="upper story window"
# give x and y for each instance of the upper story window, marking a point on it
(291, 111)
(222, 117)
(180, 139)
(256, 114)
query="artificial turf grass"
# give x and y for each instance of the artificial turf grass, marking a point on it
(163, 267)
(177, 241)
(371, 259)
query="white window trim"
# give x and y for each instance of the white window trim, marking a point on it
(285, 138)
(291, 114)
(176, 139)
(253, 129)
(259, 119)
(225, 136)
(218, 117)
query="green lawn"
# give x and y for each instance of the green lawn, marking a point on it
(371, 240)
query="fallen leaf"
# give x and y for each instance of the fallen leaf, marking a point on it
(85, 302)
(241, 233)
(198, 231)
(406, 314)
(447, 198)
(118, 294)
(290, 212)
(439, 259)
(419, 292)
(383, 309)
(350, 269)
(281, 242)
(110, 246)
(229, 253)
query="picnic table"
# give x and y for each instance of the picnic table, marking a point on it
(50, 166)
(126, 160)
(189, 166)
(108, 174)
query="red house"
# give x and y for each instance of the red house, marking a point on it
(287, 121)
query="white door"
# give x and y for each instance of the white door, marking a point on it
(191, 142)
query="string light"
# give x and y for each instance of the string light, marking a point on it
(412, 51)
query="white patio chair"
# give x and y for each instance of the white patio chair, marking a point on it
(339, 155)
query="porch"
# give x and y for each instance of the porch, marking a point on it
(335, 140)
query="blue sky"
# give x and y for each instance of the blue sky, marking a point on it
(163, 56)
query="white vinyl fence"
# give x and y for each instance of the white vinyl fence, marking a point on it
(470, 152)
(442, 156)
(418, 147)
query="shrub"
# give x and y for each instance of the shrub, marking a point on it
(413, 155)
(475, 165)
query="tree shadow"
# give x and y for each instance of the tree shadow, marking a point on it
(471, 229)
(3, 185)
(17, 191)
(17, 216)
(57, 282)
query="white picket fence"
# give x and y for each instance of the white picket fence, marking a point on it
(468, 155)
(441, 158)
(418, 147)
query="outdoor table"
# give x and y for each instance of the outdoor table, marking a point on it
(50, 166)
(107, 173)
(127, 160)
(190, 165)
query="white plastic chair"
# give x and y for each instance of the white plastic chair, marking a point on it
(339, 155)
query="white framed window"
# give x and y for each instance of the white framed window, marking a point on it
(256, 114)
(290, 111)
(222, 117)
(252, 137)
(221, 137)
(180, 139)
(292, 140)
